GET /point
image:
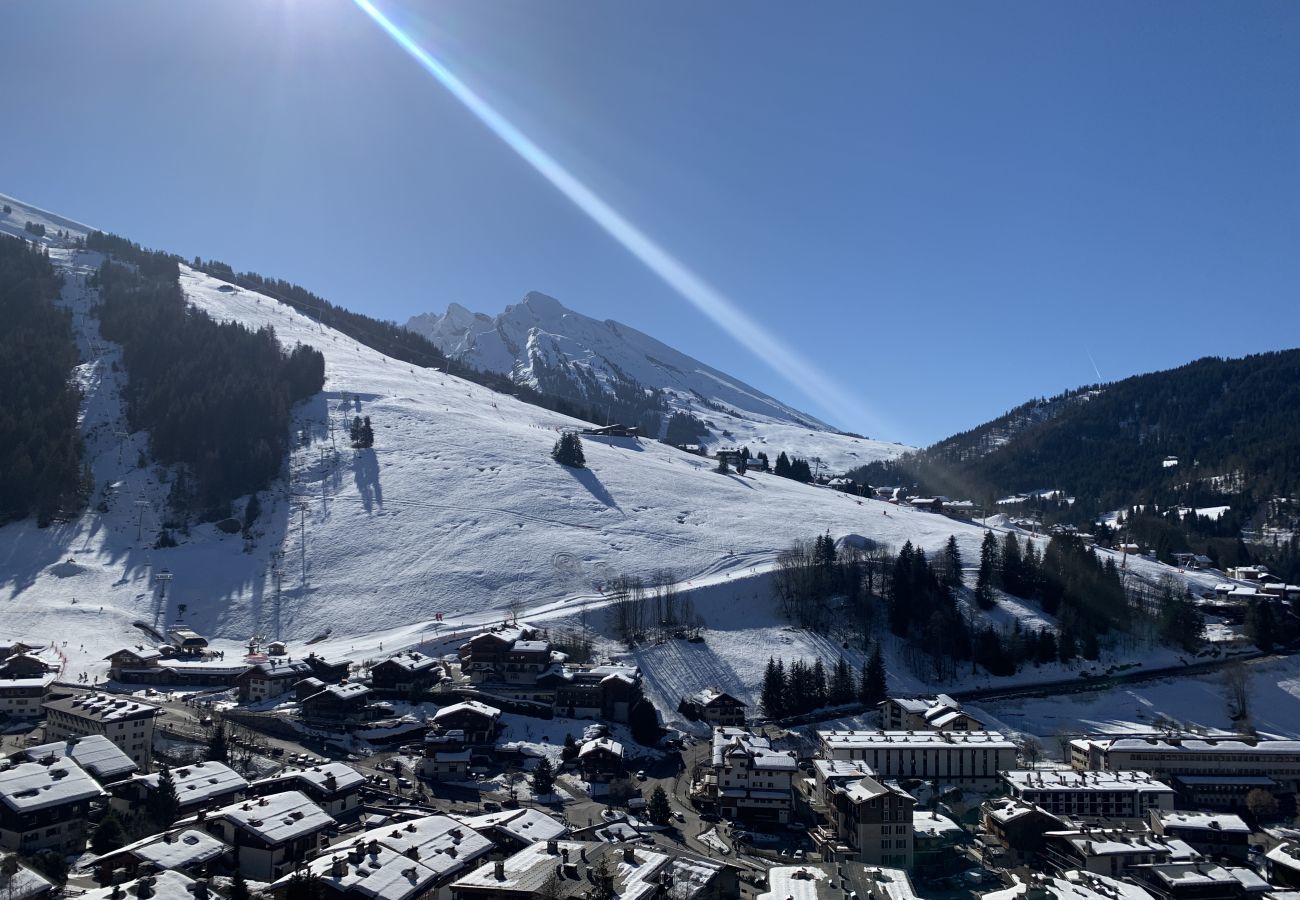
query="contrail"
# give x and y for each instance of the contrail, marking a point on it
(758, 340)
(1094, 364)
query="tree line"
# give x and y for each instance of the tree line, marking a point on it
(850, 592)
(214, 396)
(1229, 423)
(41, 467)
(802, 687)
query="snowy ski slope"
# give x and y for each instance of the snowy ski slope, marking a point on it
(458, 510)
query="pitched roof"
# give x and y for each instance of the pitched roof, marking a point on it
(32, 786)
(277, 818)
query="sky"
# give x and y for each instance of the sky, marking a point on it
(945, 208)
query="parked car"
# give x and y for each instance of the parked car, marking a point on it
(640, 776)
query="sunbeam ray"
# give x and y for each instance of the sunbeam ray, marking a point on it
(786, 361)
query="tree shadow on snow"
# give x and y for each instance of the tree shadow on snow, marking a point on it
(588, 479)
(365, 471)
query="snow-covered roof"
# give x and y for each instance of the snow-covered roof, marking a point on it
(372, 871)
(1008, 809)
(635, 869)
(32, 786)
(165, 885)
(103, 708)
(25, 883)
(1199, 745)
(345, 777)
(530, 647)
(276, 818)
(864, 789)
(200, 782)
(144, 654)
(1285, 854)
(929, 822)
(709, 696)
(608, 745)
(95, 753)
(350, 691)
(1226, 823)
(281, 668)
(1073, 780)
(1102, 842)
(1191, 875)
(473, 706)
(411, 661)
(898, 739)
(527, 825)
(799, 883)
(189, 847)
(442, 843)
(831, 769)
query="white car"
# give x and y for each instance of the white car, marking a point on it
(640, 776)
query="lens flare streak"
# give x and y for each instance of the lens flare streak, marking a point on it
(703, 296)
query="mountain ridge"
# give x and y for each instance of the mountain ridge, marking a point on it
(638, 379)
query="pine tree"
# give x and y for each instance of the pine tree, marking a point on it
(568, 451)
(354, 433)
(543, 778)
(303, 885)
(742, 464)
(875, 681)
(819, 686)
(367, 433)
(218, 748)
(952, 565)
(782, 466)
(1012, 581)
(658, 809)
(164, 805)
(570, 750)
(772, 698)
(984, 580)
(109, 834)
(722, 467)
(238, 886)
(843, 690)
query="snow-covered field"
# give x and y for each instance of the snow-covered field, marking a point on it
(457, 511)
(1197, 702)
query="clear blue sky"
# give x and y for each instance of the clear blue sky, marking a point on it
(947, 206)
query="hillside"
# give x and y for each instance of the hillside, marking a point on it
(634, 378)
(1213, 433)
(457, 511)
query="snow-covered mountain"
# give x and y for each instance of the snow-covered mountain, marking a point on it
(541, 343)
(457, 512)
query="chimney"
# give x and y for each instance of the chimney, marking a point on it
(338, 868)
(565, 854)
(553, 848)
(144, 887)
(413, 852)
(629, 855)
(500, 870)
(200, 889)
